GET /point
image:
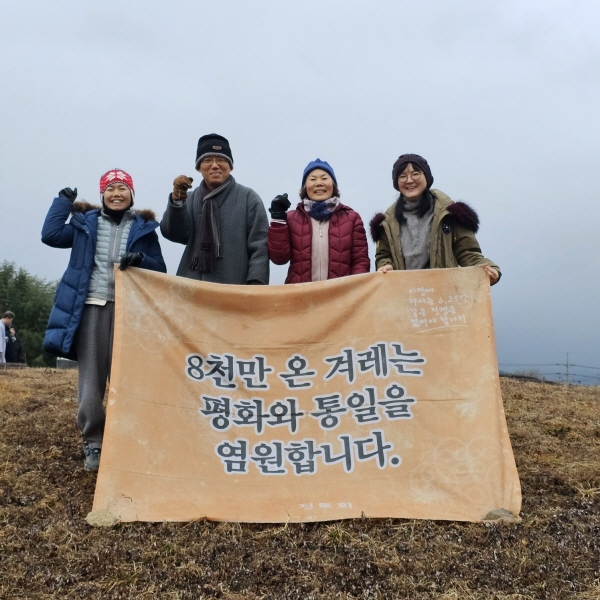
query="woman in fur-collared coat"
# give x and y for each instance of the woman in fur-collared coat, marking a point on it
(81, 321)
(424, 228)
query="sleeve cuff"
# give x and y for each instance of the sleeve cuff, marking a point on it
(176, 203)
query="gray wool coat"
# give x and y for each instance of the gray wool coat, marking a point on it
(243, 234)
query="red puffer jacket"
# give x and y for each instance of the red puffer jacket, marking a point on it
(348, 250)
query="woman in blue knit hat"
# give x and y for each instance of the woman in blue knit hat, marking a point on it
(322, 238)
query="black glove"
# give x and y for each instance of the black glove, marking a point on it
(279, 205)
(68, 193)
(131, 259)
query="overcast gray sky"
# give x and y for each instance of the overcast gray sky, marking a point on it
(502, 98)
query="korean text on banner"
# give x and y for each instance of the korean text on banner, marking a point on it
(374, 394)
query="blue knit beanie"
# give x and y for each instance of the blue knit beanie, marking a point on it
(318, 164)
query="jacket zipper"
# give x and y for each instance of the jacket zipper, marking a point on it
(111, 261)
(320, 250)
(114, 245)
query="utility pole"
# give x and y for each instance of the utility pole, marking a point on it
(567, 365)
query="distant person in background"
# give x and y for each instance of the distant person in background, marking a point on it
(7, 319)
(424, 228)
(81, 322)
(14, 349)
(322, 238)
(222, 224)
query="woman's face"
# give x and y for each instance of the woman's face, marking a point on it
(117, 196)
(412, 183)
(319, 185)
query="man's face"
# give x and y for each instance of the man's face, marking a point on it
(7, 320)
(215, 170)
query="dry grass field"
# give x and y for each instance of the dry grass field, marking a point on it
(47, 550)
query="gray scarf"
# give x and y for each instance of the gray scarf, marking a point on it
(207, 245)
(415, 236)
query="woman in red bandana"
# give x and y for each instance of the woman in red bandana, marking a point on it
(81, 322)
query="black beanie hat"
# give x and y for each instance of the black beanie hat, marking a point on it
(416, 161)
(213, 144)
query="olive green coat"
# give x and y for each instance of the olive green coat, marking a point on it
(453, 241)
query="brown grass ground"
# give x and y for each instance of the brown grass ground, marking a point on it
(48, 551)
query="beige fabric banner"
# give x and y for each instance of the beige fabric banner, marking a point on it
(374, 394)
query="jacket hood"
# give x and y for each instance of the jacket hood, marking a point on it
(83, 207)
(460, 213)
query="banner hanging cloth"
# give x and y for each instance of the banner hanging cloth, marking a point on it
(374, 394)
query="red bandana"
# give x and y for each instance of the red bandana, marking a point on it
(115, 176)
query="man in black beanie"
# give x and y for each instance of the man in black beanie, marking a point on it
(222, 224)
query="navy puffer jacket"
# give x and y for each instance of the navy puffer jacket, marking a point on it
(80, 235)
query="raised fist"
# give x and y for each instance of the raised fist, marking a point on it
(68, 193)
(181, 185)
(279, 206)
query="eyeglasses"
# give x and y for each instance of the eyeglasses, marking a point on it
(210, 159)
(415, 176)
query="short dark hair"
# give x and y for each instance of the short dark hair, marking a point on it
(335, 193)
(425, 203)
(8, 315)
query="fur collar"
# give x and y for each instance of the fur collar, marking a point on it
(83, 207)
(459, 212)
(374, 224)
(464, 215)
